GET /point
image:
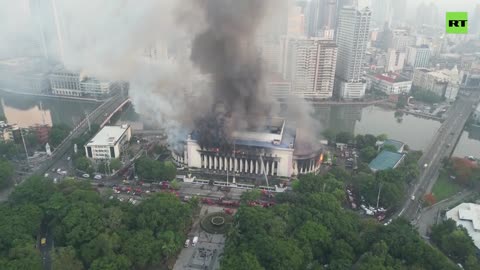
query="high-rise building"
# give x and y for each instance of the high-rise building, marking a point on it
(352, 39)
(296, 21)
(381, 12)
(395, 60)
(320, 16)
(48, 28)
(419, 56)
(399, 8)
(475, 21)
(311, 65)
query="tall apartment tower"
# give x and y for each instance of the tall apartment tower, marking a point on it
(352, 38)
(311, 67)
(49, 28)
(320, 17)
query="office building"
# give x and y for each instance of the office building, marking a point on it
(24, 75)
(352, 39)
(320, 17)
(109, 143)
(65, 83)
(74, 84)
(395, 60)
(419, 56)
(381, 13)
(311, 67)
(435, 81)
(390, 83)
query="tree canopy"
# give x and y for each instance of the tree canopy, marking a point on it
(154, 170)
(90, 231)
(58, 133)
(309, 229)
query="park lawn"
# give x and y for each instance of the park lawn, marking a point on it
(445, 187)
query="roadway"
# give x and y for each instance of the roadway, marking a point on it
(441, 146)
(97, 116)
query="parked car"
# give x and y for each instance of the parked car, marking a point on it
(97, 177)
(86, 175)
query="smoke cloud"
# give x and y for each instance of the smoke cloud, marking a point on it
(192, 64)
(225, 49)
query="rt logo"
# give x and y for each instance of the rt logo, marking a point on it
(457, 23)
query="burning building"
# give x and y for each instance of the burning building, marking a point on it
(276, 149)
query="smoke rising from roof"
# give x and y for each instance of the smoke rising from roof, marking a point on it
(192, 64)
(225, 49)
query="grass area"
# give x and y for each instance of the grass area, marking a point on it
(445, 187)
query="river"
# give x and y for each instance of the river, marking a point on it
(26, 111)
(416, 132)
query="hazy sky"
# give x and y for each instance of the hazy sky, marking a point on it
(448, 5)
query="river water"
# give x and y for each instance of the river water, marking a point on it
(376, 120)
(26, 111)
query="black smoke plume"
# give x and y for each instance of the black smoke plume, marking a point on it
(226, 51)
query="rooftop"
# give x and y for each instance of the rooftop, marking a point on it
(108, 135)
(468, 216)
(385, 160)
(397, 144)
(392, 77)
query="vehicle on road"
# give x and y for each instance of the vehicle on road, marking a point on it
(59, 170)
(86, 175)
(194, 241)
(187, 243)
(425, 165)
(45, 175)
(68, 158)
(413, 198)
(43, 241)
(55, 180)
(97, 177)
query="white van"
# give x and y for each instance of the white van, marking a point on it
(194, 241)
(187, 243)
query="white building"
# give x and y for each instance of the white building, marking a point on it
(279, 148)
(419, 56)
(467, 215)
(67, 83)
(352, 39)
(391, 83)
(395, 60)
(109, 143)
(452, 91)
(437, 81)
(310, 67)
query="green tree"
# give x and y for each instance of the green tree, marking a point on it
(6, 173)
(169, 171)
(368, 153)
(58, 133)
(83, 164)
(382, 137)
(36, 190)
(64, 256)
(251, 195)
(115, 164)
(389, 148)
(8, 150)
(112, 262)
(244, 261)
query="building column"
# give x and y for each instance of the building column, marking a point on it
(241, 164)
(234, 164)
(210, 164)
(256, 166)
(267, 167)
